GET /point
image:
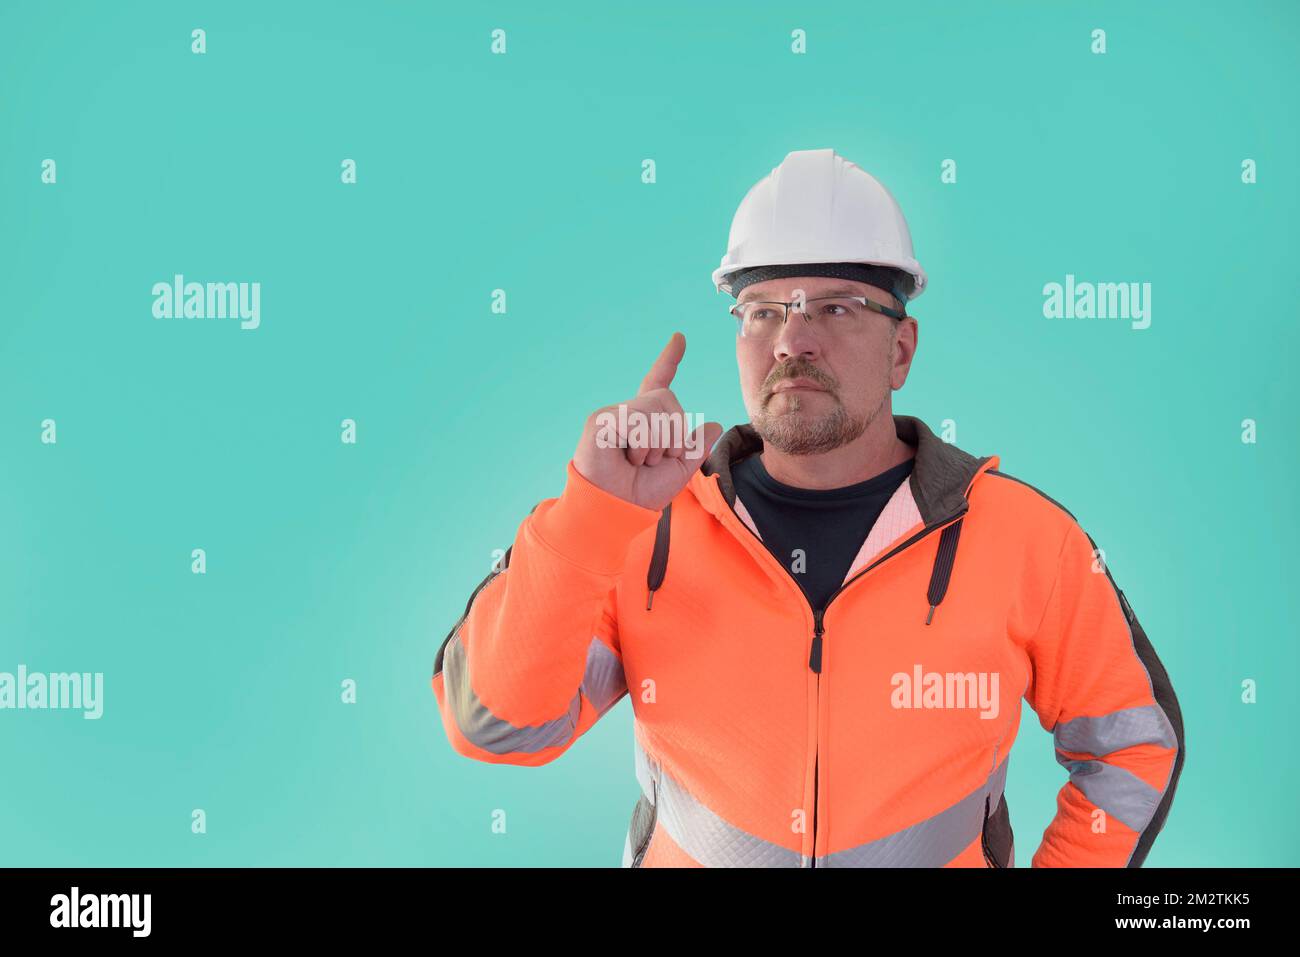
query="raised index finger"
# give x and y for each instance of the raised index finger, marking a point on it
(661, 373)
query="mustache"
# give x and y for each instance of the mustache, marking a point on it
(798, 370)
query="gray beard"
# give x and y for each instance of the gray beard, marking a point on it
(791, 434)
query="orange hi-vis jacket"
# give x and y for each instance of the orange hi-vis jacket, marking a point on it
(874, 732)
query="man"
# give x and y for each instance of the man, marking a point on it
(828, 672)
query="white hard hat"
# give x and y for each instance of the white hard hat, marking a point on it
(817, 207)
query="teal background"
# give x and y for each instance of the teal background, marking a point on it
(523, 171)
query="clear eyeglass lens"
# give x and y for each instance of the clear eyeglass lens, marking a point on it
(762, 320)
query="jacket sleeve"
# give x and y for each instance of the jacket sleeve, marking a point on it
(1098, 686)
(534, 661)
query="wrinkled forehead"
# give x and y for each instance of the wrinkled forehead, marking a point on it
(785, 290)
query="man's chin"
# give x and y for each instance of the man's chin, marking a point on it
(796, 433)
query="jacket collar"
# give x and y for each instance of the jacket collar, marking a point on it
(941, 474)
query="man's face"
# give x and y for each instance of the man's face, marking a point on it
(807, 393)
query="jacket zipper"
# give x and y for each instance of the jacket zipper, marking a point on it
(819, 631)
(815, 662)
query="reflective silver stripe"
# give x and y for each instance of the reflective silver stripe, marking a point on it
(698, 831)
(932, 842)
(602, 683)
(1100, 735)
(627, 849)
(1120, 793)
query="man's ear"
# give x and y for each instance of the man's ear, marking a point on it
(916, 342)
(899, 323)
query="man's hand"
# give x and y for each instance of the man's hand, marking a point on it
(645, 465)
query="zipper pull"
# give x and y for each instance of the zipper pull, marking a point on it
(815, 659)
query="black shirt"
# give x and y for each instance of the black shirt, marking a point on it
(814, 533)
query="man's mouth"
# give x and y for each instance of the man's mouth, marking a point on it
(800, 385)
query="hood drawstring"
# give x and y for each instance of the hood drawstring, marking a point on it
(943, 561)
(659, 557)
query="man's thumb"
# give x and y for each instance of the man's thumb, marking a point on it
(705, 436)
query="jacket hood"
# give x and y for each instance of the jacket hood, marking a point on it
(941, 473)
(941, 476)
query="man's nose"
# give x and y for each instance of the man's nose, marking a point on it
(796, 338)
